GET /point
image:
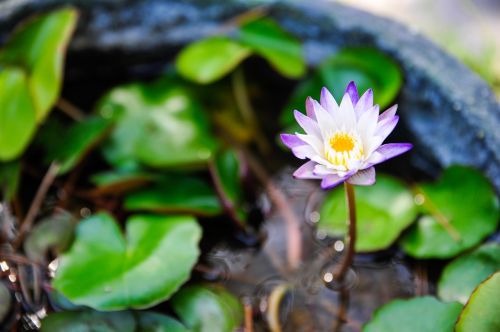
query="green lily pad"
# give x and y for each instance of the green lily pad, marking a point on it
(158, 124)
(17, 113)
(368, 67)
(210, 59)
(481, 313)
(81, 139)
(54, 234)
(154, 322)
(89, 321)
(461, 276)
(118, 182)
(5, 301)
(278, 47)
(207, 309)
(383, 212)
(9, 179)
(176, 194)
(464, 200)
(38, 47)
(225, 172)
(420, 314)
(139, 270)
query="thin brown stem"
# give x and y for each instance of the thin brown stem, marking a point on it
(47, 181)
(342, 317)
(248, 315)
(70, 110)
(351, 237)
(249, 15)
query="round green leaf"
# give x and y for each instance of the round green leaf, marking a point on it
(139, 270)
(461, 276)
(53, 233)
(176, 194)
(80, 139)
(368, 67)
(464, 199)
(38, 46)
(210, 59)
(89, 321)
(481, 313)
(17, 114)
(154, 322)
(383, 212)
(159, 124)
(420, 314)
(206, 309)
(269, 40)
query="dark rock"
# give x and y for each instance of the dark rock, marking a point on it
(452, 115)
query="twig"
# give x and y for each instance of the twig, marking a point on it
(342, 317)
(421, 280)
(251, 14)
(294, 243)
(248, 315)
(70, 110)
(47, 181)
(351, 238)
(226, 202)
(273, 309)
(438, 215)
(246, 110)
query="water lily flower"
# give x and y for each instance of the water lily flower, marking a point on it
(344, 142)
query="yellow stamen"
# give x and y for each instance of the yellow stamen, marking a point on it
(342, 142)
(342, 148)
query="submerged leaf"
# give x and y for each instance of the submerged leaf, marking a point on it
(208, 309)
(420, 314)
(158, 124)
(210, 59)
(122, 321)
(461, 276)
(383, 212)
(9, 179)
(481, 313)
(138, 270)
(460, 210)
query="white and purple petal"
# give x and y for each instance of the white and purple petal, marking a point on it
(364, 177)
(392, 150)
(352, 91)
(328, 102)
(306, 171)
(309, 125)
(386, 127)
(364, 103)
(291, 141)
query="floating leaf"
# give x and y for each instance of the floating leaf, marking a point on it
(9, 179)
(53, 233)
(117, 182)
(481, 313)
(5, 301)
(269, 40)
(159, 124)
(17, 113)
(139, 270)
(210, 59)
(207, 309)
(461, 276)
(81, 139)
(368, 67)
(176, 194)
(38, 47)
(225, 172)
(383, 212)
(460, 210)
(420, 314)
(154, 322)
(66, 321)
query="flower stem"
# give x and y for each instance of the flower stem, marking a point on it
(351, 237)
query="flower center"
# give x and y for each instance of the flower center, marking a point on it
(344, 150)
(342, 142)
